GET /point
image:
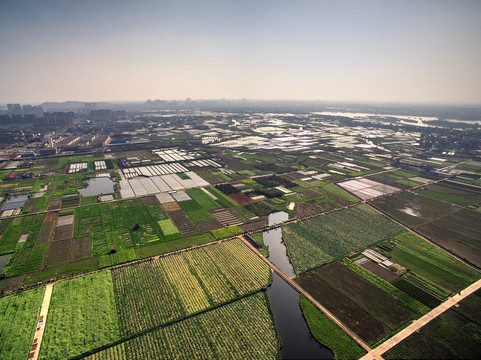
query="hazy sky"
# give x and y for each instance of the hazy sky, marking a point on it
(406, 51)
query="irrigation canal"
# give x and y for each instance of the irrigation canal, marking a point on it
(297, 341)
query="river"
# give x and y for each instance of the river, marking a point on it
(297, 341)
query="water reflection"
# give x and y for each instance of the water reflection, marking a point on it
(98, 186)
(297, 341)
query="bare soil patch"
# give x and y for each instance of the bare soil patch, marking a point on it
(346, 310)
(63, 233)
(380, 271)
(150, 200)
(306, 209)
(173, 206)
(58, 253)
(256, 225)
(54, 204)
(183, 222)
(209, 225)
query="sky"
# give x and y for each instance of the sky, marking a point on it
(370, 51)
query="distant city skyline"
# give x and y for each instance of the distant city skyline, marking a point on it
(359, 51)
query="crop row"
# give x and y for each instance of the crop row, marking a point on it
(239, 330)
(338, 234)
(172, 287)
(19, 314)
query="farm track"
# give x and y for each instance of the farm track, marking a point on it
(299, 289)
(376, 354)
(37, 337)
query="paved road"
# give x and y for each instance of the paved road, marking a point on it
(307, 295)
(418, 324)
(37, 338)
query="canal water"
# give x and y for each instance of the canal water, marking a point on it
(297, 341)
(98, 186)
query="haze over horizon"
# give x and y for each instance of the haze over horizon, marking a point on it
(396, 51)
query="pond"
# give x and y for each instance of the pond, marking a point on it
(297, 340)
(98, 186)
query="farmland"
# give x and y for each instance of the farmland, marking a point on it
(243, 329)
(82, 315)
(442, 213)
(428, 265)
(163, 298)
(322, 239)
(160, 291)
(452, 335)
(367, 310)
(199, 177)
(19, 315)
(328, 333)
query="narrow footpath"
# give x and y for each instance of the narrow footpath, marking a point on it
(37, 338)
(299, 289)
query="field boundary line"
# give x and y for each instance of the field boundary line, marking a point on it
(376, 353)
(301, 290)
(38, 335)
(162, 326)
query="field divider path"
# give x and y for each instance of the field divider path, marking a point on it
(299, 289)
(37, 337)
(376, 353)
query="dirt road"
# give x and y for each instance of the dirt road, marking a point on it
(37, 338)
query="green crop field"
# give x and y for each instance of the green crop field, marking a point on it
(200, 215)
(28, 256)
(243, 329)
(432, 263)
(226, 232)
(452, 193)
(82, 316)
(332, 189)
(168, 227)
(316, 241)
(203, 199)
(328, 333)
(189, 205)
(119, 225)
(156, 292)
(19, 316)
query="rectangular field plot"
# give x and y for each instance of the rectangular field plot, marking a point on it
(27, 255)
(170, 288)
(451, 226)
(168, 227)
(19, 315)
(119, 224)
(225, 217)
(82, 316)
(313, 242)
(243, 329)
(153, 183)
(367, 189)
(365, 309)
(205, 200)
